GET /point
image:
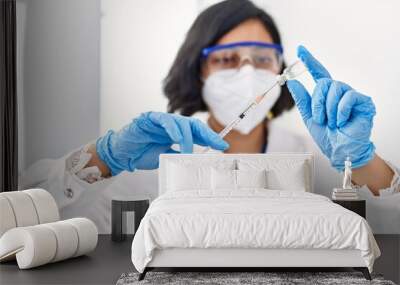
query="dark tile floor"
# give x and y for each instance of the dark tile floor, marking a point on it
(110, 260)
(389, 262)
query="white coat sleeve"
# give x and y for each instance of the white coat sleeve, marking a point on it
(394, 187)
(65, 178)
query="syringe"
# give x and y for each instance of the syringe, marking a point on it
(243, 114)
(289, 73)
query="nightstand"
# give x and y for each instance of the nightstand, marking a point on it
(121, 207)
(357, 206)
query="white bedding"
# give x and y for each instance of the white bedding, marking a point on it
(252, 218)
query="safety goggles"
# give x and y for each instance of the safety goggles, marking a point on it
(234, 55)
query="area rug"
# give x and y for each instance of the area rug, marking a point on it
(243, 278)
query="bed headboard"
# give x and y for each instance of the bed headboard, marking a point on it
(215, 159)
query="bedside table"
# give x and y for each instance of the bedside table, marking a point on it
(120, 207)
(357, 206)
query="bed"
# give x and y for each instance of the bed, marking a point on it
(247, 211)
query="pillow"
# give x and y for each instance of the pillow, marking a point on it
(281, 174)
(251, 178)
(292, 178)
(227, 179)
(223, 179)
(183, 177)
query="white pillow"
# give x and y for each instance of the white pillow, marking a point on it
(228, 179)
(281, 174)
(183, 177)
(292, 178)
(223, 179)
(251, 178)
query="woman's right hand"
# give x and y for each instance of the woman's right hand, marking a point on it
(139, 144)
(338, 118)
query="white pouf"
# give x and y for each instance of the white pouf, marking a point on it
(40, 244)
(30, 230)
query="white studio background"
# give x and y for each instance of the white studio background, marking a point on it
(139, 41)
(58, 70)
(358, 41)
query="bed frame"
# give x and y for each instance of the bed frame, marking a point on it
(250, 259)
(234, 259)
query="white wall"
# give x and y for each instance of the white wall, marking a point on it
(357, 40)
(59, 62)
(139, 41)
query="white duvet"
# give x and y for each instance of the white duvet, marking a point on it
(250, 219)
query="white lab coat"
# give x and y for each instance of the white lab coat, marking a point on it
(76, 197)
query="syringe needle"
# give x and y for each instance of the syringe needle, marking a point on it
(242, 115)
(266, 92)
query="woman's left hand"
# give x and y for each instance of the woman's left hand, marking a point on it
(338, 118)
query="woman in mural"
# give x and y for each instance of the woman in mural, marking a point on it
(232, 51)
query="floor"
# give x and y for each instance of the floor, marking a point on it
(110, 260)
(102, 266)
(389, 262)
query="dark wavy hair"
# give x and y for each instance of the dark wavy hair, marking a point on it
(183, 84)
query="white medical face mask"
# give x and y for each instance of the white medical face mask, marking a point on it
(228, 92)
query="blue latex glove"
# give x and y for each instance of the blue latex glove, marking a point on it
(338, 118)
(139, 144)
